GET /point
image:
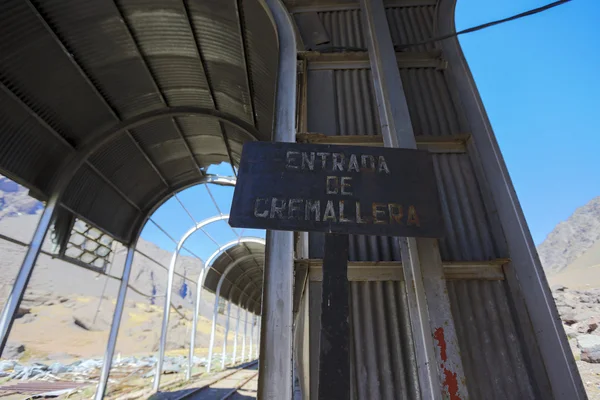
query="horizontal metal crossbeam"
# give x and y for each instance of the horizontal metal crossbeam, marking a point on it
(360, 60)
(435, 144)
(392, 270)
(338, 6)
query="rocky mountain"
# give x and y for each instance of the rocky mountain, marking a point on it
(572, 238)
(15, 200)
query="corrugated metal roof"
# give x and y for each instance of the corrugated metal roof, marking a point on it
(247, 272)
(71, 70)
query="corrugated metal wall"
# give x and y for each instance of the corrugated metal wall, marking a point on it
(341, 102)
(381, 354)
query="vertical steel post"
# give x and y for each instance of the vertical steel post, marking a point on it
(199, 287)
(224, 352)
(18, 290)
(216, 307)
(116, 322)
(165, 320)
(212, 333)
(238, 323)
(252, 323)
(429, 306)
(237, 330)
(257, 351)
(245, 335)
(275, 374)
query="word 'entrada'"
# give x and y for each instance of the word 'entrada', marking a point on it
(335, 211)
(308, 161)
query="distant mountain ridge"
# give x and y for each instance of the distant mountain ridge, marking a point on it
(570, 239)
(15, 200)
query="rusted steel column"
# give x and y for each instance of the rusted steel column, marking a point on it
(439, 364)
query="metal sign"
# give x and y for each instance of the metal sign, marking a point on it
(336, 189)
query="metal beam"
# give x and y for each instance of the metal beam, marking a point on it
(116, 322)
(70, 147)
(216, 306)
(18, 289)
(360, 60)
(162, 99)
(237, 327)
(275, 367)
(211, 90)
(69, 55)
(525, 274)
(239, 8)
(365, 271)
(200, 285)
(429, 305)
(434, 144)
(332, 5)
(169, 289)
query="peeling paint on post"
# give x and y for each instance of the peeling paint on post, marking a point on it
(450, 369)
(450, 382)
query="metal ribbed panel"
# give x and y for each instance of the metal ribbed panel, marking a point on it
(87, 192)
(355, 101)
(27, 152)
(344, 28)
(492, 353)
(121, 162)
(468, 230)
(217, 29)
(236, 141)
(411, 25)
(432, 111)
(381, 353)
(162, 31)
(59, 94)
(251, 269)
(407, 25)
(101, 43)
(262, 62)
(353, 109)
(178, 170)
(342, 102)
(199, 125)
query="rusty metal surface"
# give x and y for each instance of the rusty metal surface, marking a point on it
(492, 350)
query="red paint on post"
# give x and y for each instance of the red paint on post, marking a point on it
(439, 336)
(450, 380)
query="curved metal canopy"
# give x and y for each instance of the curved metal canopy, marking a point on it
(70, 70)
(247, 272)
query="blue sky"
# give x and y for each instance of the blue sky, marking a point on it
(539, 78)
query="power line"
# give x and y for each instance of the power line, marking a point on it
(486, 25)
(400, 47)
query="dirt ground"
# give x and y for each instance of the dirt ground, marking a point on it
(77, 327)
